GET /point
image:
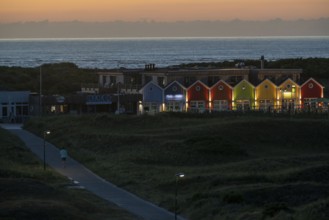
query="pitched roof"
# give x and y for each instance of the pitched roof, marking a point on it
(312, 80)
(222, 82)
(244, 80)
(198, 81)
(147, 84)
(270, 81)
(173, 82)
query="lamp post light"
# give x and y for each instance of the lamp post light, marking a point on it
(178, 176)
(44, 148)
(40, 95)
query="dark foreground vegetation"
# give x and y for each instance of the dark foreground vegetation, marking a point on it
(236, 167)
(29, 192)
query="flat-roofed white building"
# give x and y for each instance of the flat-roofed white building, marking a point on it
(14, 106)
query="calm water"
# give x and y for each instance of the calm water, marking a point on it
(134, 52)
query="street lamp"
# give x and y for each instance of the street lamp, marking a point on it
(44, 148)
(178, 175)
(40, 95)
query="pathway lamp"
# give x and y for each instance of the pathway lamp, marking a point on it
(45, 133)
(178, 176)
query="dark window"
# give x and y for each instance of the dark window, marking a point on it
(4, 111)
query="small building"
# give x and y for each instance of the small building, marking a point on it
(289, 95)
(208, 76)
(152, 99)
(275, 75)
(221, 96)
(175, 97)
(266, 96)
(14, 106)
(311, 92)
(198, 97)
(243, 96)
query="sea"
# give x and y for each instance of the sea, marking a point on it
(109, 53)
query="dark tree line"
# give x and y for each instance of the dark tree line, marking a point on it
(63, 78)
(66, 78)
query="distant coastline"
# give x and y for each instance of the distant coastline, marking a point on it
(140, 29)
(164, 38)
(111, 53)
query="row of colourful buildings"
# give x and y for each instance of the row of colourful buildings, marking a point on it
(221, 96)
(152, 90)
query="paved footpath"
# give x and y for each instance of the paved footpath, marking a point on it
(90, 181)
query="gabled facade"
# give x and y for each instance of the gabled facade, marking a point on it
(311, 91)
(221, 96)
(243, 96)
(197, 97)
(206, 89)
(152, 99)
(266, 96)
(289, 95)
(175, 97)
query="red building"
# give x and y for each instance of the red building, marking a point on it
(311, 91)
(221, 96)
(198, 97)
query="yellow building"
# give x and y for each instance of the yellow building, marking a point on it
(289, 95)
(266, 96)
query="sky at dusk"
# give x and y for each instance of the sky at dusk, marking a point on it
(160, 10)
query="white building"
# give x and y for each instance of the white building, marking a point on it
(14, 106)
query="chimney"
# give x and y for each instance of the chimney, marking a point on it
(262, 62)
(150, 66)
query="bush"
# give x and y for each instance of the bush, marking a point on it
(233, 197)
(274, 208)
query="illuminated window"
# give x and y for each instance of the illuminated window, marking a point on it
(174, 106)
(151, 107)
(293, 90)
(310, 103)
(242, 105)
(265, 104)
(198, 106)
(220, 105)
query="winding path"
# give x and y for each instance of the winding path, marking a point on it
(89, 180)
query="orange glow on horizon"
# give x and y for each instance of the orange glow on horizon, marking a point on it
(160, 10)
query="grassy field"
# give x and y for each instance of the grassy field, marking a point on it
(236, 166)
(29, 192)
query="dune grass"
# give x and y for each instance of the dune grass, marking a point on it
(236, 166)
(29, 192)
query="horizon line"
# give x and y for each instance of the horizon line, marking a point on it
(160, 21)
(158, 38)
